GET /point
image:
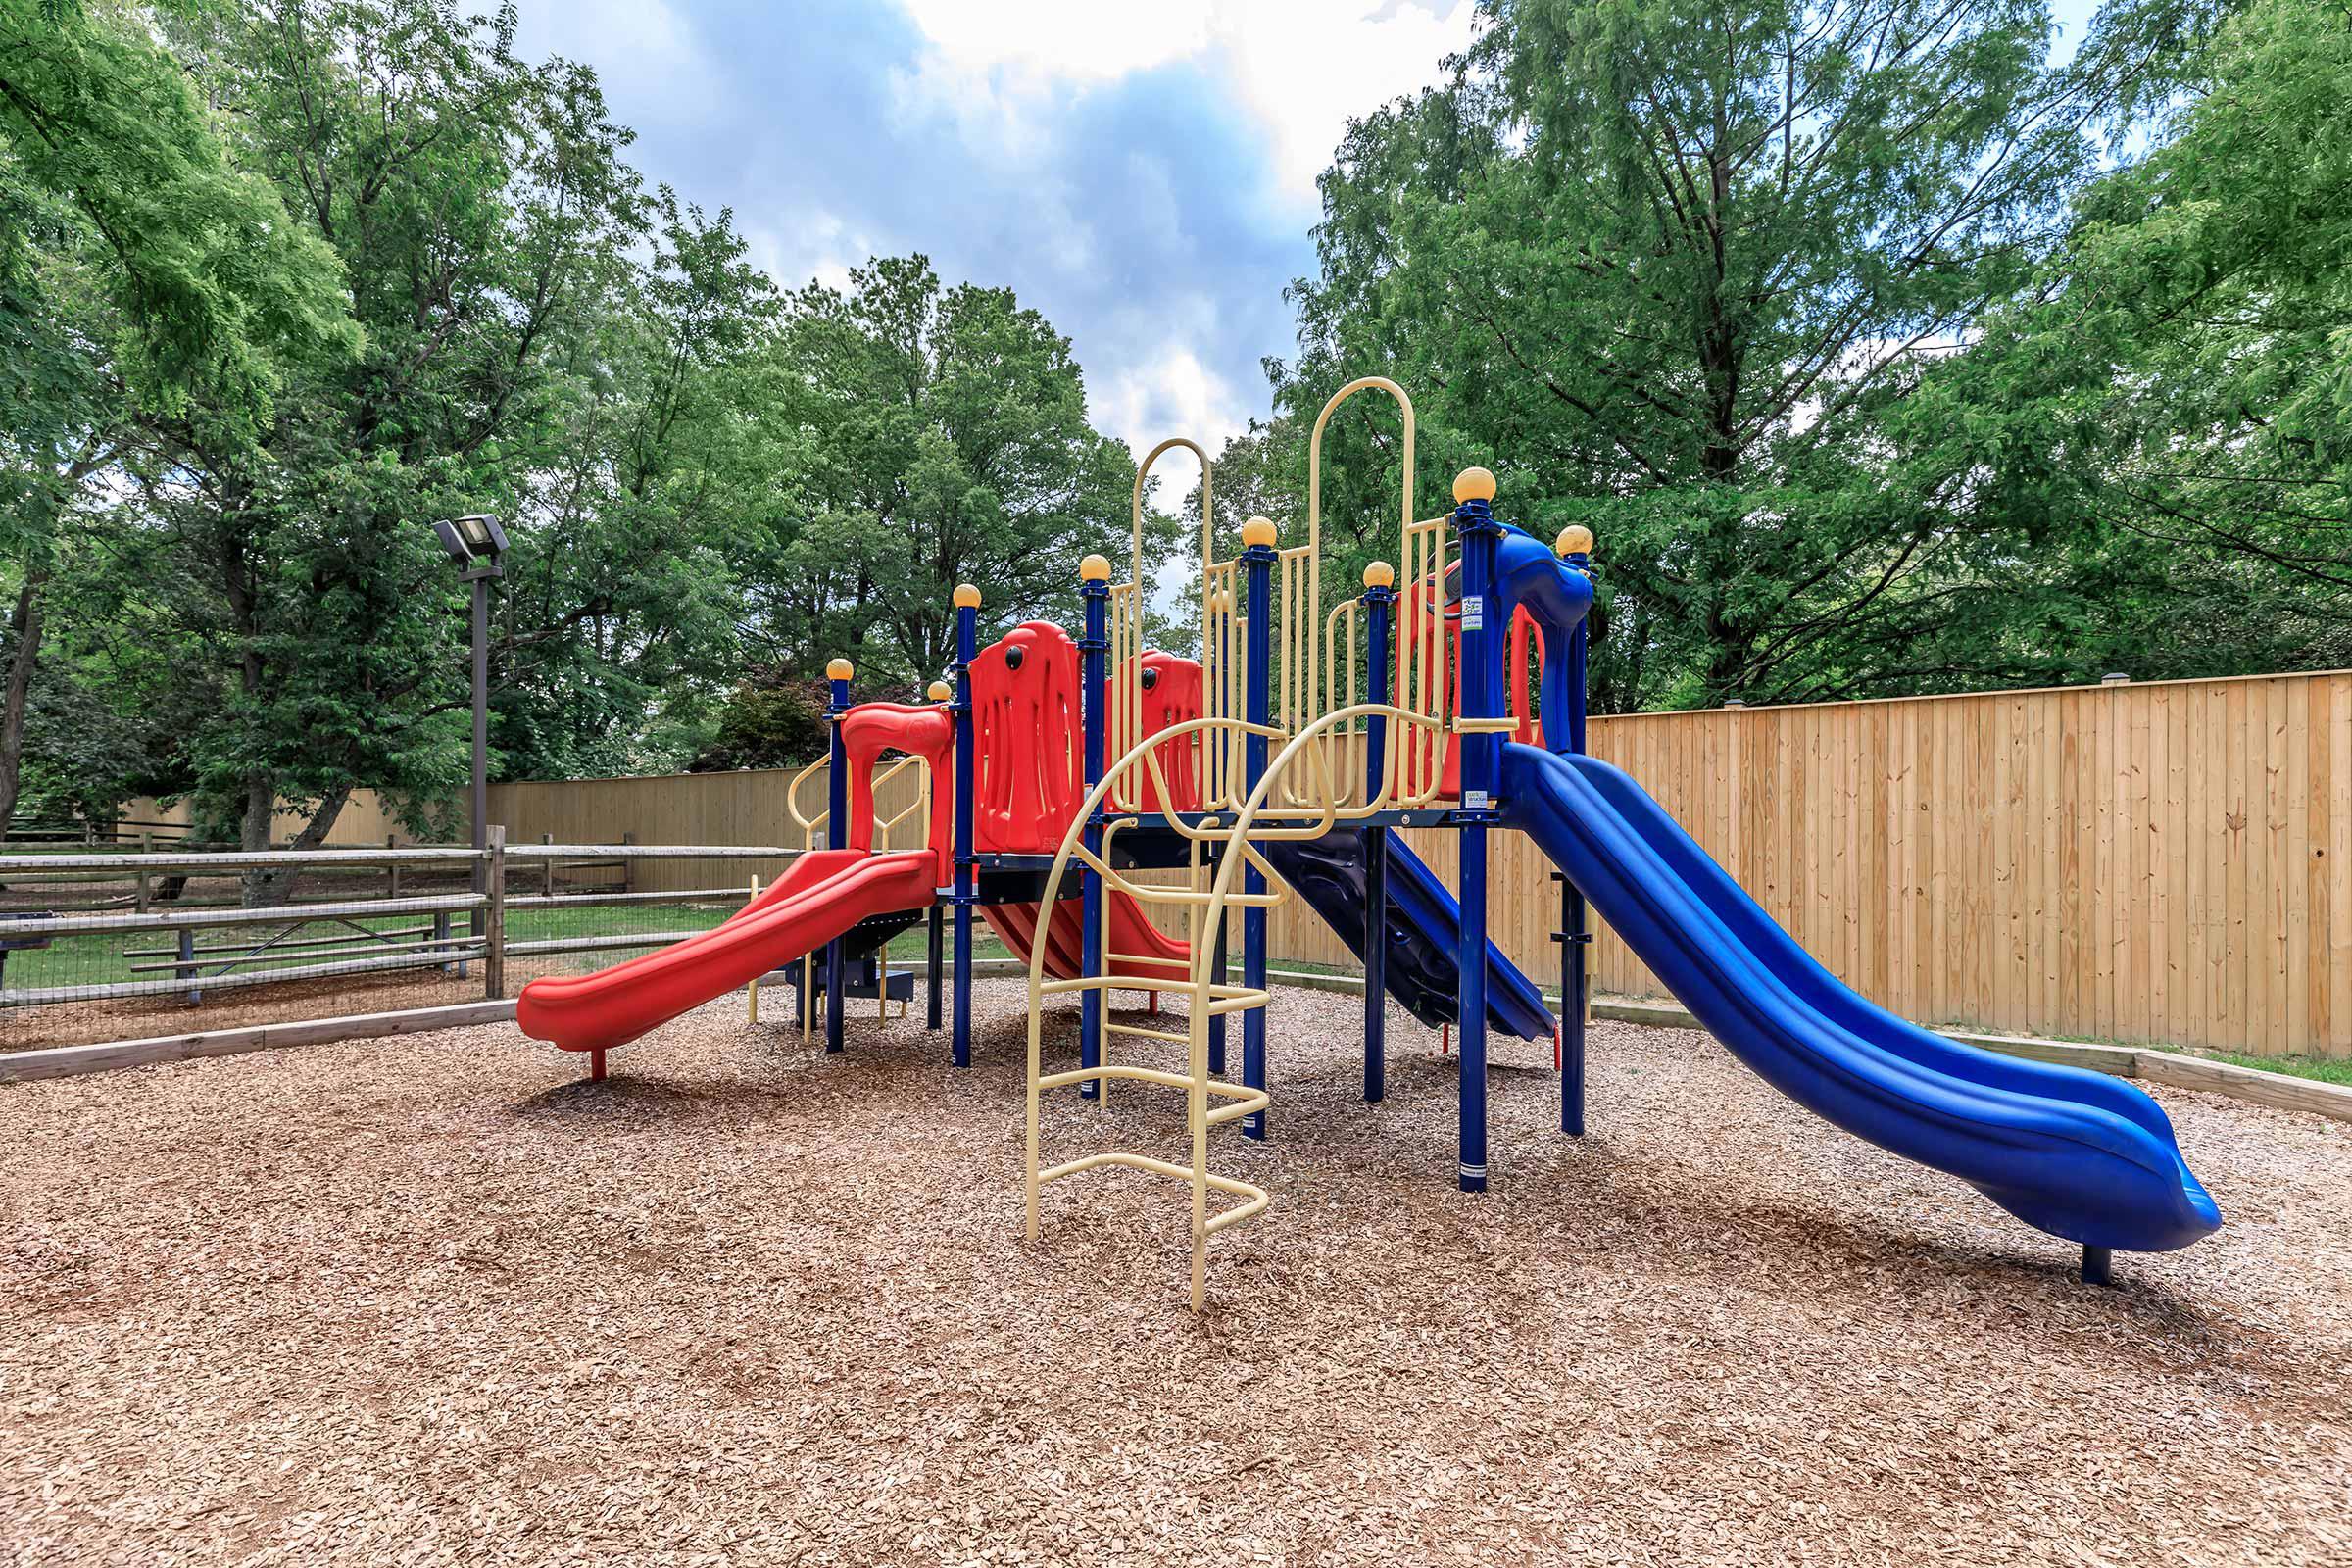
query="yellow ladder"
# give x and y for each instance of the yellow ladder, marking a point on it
(1207, 999)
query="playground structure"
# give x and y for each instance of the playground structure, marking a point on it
(1278, 764)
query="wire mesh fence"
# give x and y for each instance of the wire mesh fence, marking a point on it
(100, 945)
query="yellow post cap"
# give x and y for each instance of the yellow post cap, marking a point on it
(1379, 574)
(1575, 540)
(1473, 484)
(968, 597)
(1257, 532)
(1094, 568)
(939, 692)
(840, 670)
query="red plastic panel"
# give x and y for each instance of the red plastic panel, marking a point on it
(873, 728)
(1171, 695)
(1026, 716)
(1158, 960)
(1526, 657)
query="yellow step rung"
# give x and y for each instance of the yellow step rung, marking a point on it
(1137, 1031)
(1216, 1087)
(1257, 1195)
(1239, 1108)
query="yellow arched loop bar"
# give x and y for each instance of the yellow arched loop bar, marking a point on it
(1127, 602)
(1420, 682)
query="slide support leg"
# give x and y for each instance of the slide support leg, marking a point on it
(1576, 939)
(967, 649)
(1258, 561)
(1472, 958)
(1376, 964)
(837, 836)
(1573, 946)
(2099, 1266)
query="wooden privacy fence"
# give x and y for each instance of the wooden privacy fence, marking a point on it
(2164, 862)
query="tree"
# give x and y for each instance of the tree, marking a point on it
(950, 442)
(475, 201)
(2175, 381)
(1667, 266)
(140, 267)
(659, 474)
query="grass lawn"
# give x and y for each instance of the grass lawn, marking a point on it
(2327, 1072)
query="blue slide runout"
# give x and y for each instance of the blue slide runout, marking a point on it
(2078, 1155)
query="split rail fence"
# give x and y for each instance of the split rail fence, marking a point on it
(100, 946)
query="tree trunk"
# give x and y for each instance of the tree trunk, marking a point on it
(265, 888)
(24, 653)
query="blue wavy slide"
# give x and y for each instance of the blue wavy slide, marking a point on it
(1424, 929)
(2078, 1155)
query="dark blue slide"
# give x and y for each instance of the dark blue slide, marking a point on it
(2076, 1153)
(1424, 929)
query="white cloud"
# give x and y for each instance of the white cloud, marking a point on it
(1171, 394)
(1301, 68)
(645, 54)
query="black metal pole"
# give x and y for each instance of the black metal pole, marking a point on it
(482, 740)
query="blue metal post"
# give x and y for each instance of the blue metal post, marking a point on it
(1379, 602)
(1576, 546)
(933, 933)
(837, 836)
(967, 649)
(1257, 562)
(1094, 572)
(1483, 637)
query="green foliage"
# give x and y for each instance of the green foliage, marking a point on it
(308, 275)
(2166, 411)
(1664, 266)
(771, 719)
(950, 443)
(197, 258)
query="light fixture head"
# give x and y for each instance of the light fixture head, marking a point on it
(472, 538)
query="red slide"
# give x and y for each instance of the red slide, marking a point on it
(824, 894)
(1126, 930)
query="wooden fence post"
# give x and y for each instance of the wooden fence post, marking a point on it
(548, 868)
(494, 929)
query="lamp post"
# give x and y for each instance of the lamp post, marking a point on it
(476, 542)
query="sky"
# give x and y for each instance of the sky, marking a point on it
(1141, 173)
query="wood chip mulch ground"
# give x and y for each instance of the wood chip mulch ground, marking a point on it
(438, 1300)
